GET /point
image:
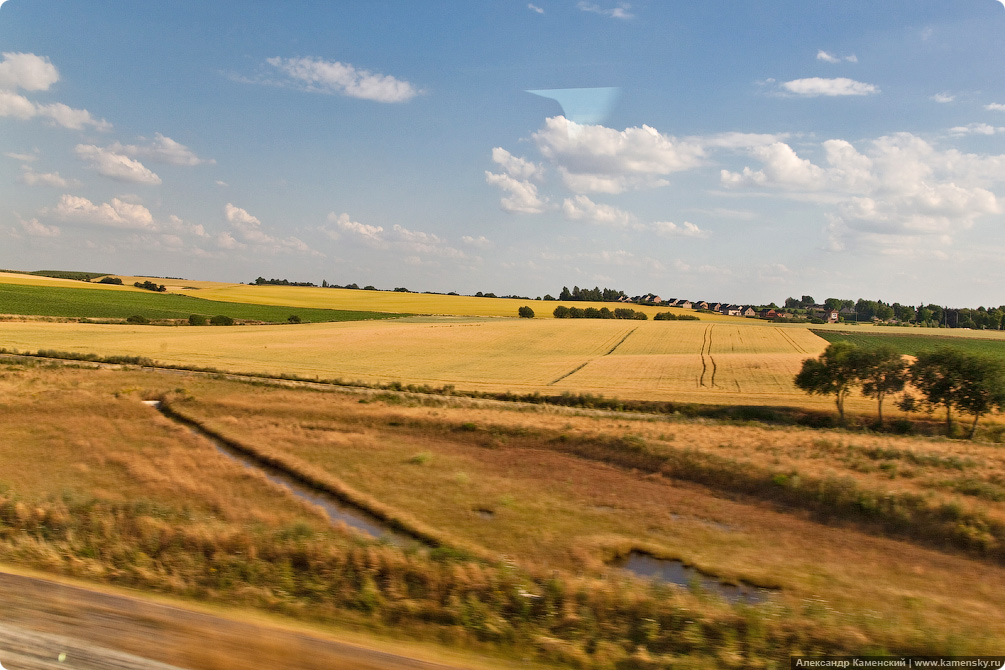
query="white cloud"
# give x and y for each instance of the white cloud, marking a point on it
(619, 12)
(943, 98)
(34, 228)
(344, 224)
(582, 208)
(516, 167)
(177, 225)
(31, 178)
(162, 150)
(535, 8)
(114, 165)
(248, 232)
(976, 129)
(670, 229)
(995, 107)
(480, 242)
(831, 58)
(27, 72)
(24, 158)
(734, 140)
(597, 159)
(418, 242)
(817, 86)
(900, 190)
(116, 214)
(320, 76)
(523, 197)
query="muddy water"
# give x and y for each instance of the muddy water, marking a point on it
(336, 510)
(675, 572)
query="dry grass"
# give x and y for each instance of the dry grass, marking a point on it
(551, 509)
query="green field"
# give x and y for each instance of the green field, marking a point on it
(912, 345)
(123, 303)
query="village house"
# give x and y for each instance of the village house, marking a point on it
(748, 312)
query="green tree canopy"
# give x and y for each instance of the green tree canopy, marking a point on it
(834, 372)
(881, 371)
(952, 378)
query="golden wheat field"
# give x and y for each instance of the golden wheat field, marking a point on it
(656, 360)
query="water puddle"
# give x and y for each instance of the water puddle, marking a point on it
(336, 510)
(675, 572)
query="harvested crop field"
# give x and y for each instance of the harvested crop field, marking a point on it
(651, 360)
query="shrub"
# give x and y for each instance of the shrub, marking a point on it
(196, 320)
(561, 312)
(136, 318)
(525, 312)
(221, 320)
(111, 280)
(293, 318)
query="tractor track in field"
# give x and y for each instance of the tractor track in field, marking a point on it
(706, 352)
(607, 353)
(788, 338)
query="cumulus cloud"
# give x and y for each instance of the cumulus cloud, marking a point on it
(831, 58)
(27, 72)
(343, 224)
(671, 229)
(522, 195)
(320, 76)
(943, 97)
(115, 214)
(812, 87)
(34, 228)
(995, 107)
(247, 232)
(29, 177)
(581, 208)
(976, 129)
(734, 140)
(161, 150)
(899, 187)
(597, 159)
(480, 242)
(418, 242)
(621, 11)
(515, 166)
(115, 165)
(534, 8)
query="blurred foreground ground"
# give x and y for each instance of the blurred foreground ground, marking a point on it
(101, 631)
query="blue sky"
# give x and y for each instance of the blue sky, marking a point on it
(719, 150)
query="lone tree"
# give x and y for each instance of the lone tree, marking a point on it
(525, 312)
(881, 371)
(834, 373)
(953, 378)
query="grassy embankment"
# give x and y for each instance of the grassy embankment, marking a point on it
(123, 495)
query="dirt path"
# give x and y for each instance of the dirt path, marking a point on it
(41, 619)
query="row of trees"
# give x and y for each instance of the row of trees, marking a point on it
(670, 316)
(946, 377)
(596, 294)
(150, 286)
(563, 312)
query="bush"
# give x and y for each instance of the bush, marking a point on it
(136, 318)
(525, 312)
(293, 318)
(111, 280)
(196, 320)
(561, 312)
(221, 320)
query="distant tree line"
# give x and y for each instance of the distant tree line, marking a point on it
(149, 285)
(111, 280)
(563, 312)
(946, 377)
(262, 281)
(670, 316)
(930, 315)
(596, 294)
